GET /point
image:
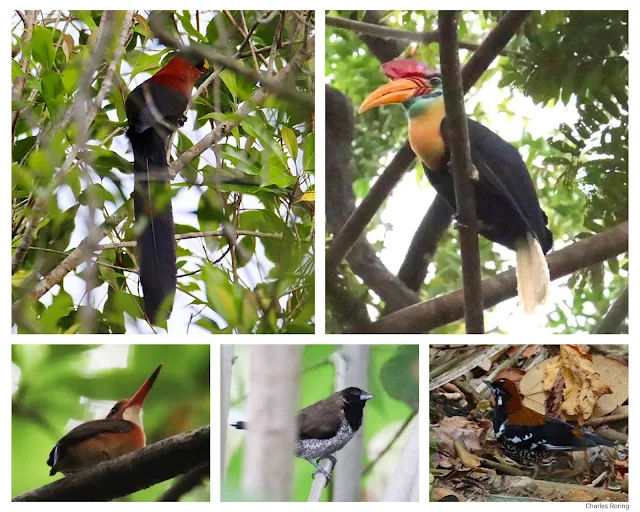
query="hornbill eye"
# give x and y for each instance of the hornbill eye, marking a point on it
(435, 81)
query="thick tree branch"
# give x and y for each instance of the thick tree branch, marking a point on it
(381, 189)
(186, 483)
(424, 243)
(448, 308)
(130, 473)
(462, 171)
(492, 46)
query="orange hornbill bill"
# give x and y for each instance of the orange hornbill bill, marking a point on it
(507, 206)
(95, 441)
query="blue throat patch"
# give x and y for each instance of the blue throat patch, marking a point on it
(416, 107)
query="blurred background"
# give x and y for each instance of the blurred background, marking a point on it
(57, 387)
(389, 418)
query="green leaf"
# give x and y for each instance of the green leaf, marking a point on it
(73, 70)
(290, 140)
(42, 46)
(228, 77)
(308, 151)
(51, 85)
(220, 294)
(256, 128)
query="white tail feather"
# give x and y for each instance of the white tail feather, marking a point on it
(532, 274)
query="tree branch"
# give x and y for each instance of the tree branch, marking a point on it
(354, 227)
(492, 46)
(424, 243)
(270, 83)
(448, 308)
(186, 483)
(130, 473)
(462, 171)
(396, 34)
(618, 312)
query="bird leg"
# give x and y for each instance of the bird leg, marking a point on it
(319, 469)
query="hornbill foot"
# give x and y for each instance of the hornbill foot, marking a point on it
(457, 224)
(475, 175)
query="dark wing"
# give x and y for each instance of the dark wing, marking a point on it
(93, 428)
(169, 105)
(321, 420)
(501, 165)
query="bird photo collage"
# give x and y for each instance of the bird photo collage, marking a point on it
(467, 172)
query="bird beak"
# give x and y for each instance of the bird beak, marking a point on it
(489, 384)
(205, 67)
(365, 396)
(397, 91)
(141, 395)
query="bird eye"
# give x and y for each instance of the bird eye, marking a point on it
(435, 81)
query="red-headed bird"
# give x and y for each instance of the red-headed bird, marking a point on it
(96, 441)
(528, 436)
(155, 109)
(506, 202)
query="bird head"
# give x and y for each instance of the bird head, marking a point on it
(131, 409)
(505, 393)
(194, 58)
(355, 396)
(413, 84)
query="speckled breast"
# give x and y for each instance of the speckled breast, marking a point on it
(319, 448)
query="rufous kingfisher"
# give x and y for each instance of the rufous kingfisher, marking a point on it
(95, 441)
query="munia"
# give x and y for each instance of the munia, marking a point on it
(327, 426)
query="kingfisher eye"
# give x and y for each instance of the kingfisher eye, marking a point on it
(435, 81)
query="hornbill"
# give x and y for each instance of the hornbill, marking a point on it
(506, 203)
(155, 109)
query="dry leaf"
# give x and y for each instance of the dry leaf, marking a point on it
(468, 459)
(614, 373)
(458, 428)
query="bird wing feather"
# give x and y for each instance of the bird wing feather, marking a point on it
(166, 104)
(491, 155)
(93, 428)
(321, 420)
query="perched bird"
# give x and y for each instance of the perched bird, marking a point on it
(326, 426)
(507, 206)
(96, 441)
(155, 109)
(527, 436)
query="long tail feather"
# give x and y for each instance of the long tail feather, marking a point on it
(532, 273)
(156, 241)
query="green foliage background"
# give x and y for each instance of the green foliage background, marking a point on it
(53, 378)
(262, 168)
(580, 171)
(393, 380)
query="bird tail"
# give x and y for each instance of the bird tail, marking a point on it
(587, 439)
(154, 218)
(532, 273)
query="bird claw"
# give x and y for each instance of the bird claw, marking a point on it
(322, 472)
